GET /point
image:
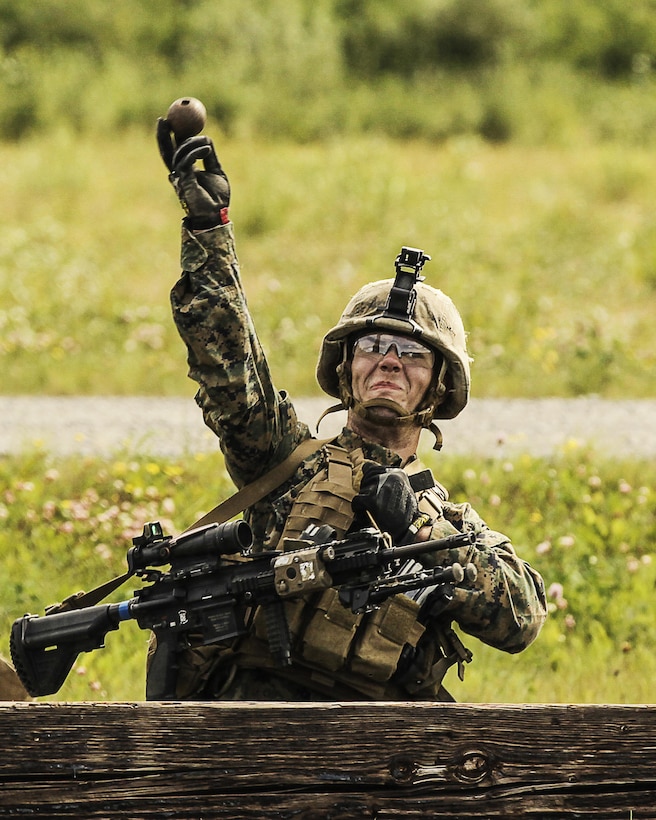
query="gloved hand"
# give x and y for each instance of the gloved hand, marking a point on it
(385, 492)
(204, 195)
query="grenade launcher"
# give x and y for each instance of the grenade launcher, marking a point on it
(212, 586)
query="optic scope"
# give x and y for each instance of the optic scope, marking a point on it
(152, 548)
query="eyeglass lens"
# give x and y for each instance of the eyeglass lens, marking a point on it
(410, 351)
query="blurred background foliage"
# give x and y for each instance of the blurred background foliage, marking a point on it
(503, 69)
(511, 139)
(585, 522)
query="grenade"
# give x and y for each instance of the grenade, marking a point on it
(187, 117)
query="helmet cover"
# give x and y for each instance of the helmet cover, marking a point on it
(434, 320)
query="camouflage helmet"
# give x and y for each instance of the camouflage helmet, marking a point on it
(431, 318)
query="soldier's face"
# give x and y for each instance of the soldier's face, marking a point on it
(392, 368)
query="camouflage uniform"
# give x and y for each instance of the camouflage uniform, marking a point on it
(258, 428)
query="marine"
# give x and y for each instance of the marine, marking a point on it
(396, 361)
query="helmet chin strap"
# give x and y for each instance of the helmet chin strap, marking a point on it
(367, 410)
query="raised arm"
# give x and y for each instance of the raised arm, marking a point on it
(256, 425)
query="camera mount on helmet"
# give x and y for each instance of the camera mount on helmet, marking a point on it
(402, 296)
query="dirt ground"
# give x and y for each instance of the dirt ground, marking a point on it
(174, 426)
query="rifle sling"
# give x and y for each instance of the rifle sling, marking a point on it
(239, 501)
(256, 490)
(80, 600)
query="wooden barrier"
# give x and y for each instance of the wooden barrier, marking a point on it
(334, 761)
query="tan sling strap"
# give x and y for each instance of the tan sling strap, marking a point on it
(239, 501)
(256, 490)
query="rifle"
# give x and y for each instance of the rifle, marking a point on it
(211, 589)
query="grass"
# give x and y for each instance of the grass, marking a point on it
(586, 523)
(549, 252)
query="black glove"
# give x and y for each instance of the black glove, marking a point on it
(204, 195)
(386, 493)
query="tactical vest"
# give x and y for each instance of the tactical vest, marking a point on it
(331, 644)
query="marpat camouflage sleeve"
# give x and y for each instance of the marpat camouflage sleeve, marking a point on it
(506, 605)
(256, 425)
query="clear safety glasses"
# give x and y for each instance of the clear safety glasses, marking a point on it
(411, 352)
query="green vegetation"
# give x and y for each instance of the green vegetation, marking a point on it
(307, 69)
(550, 254)
(585, 523)
(511, 139)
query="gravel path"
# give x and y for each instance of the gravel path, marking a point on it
(172, 426)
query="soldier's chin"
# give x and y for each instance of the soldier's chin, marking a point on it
(384, 412)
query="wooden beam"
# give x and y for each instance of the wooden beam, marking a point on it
(337, 760)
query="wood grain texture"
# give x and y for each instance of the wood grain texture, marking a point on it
(337, 761)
